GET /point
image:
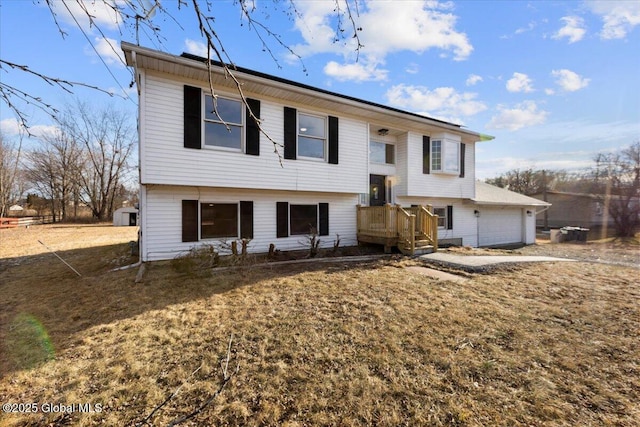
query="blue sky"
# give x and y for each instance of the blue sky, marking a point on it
(554, 81)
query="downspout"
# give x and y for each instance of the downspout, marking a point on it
(543, 210)
(134, 61)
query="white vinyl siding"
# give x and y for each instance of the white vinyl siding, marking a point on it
(166, 161)
(162, 225)
(464, 221)
(433, 185)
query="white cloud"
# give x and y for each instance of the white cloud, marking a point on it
(473, 79)
(519, 83)
(528, 28)
(195, 47)
(103, 13)
(425, 25)
(413, 68)
(108, 50)
(549, 91)
(569, 81)
(573, 29)
(522, 115)
(619, 17)
(568, 161)
(443, 102)
(357, 72)
(12, 127)
(559, 136)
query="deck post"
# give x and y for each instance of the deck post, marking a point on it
(388, 208)
(412, 234)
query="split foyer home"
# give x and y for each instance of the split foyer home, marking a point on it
(346, 167)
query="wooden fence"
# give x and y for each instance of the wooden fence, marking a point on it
(14, 222)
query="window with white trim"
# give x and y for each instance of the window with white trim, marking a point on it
(224, 129)
(381, 152)
(445, 156)
(442, 216)
(303, 219)
(312, 136)
(219, 220)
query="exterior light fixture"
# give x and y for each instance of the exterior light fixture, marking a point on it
(383, 132)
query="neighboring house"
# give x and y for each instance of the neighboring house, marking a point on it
(344, 160)
(126, 215)
(574, 209)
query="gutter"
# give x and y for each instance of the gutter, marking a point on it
(195, 62)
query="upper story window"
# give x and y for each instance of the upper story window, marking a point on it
(310, 136)
(380, 152)
(312, 131)
(224, 129)
(445, 156)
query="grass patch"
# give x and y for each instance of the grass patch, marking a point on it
(28, 344)
(328, 344)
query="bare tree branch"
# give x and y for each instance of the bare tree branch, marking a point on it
(210, 34)
(226, 377)
(137, 16)
(7, 92)
(171, 396)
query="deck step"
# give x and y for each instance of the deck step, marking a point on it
(419, 249)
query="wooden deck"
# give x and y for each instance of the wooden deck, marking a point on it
(413, 230)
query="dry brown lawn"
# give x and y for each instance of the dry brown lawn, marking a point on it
(551, 344)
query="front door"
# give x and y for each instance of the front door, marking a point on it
(377, 190)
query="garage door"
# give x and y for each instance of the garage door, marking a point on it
(500, 226)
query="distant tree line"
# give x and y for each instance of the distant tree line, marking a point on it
(83, 162)
(614, 177)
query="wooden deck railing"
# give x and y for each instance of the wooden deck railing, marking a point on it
(377, 220)
(406, 226)
(426, 223)
(393, 225)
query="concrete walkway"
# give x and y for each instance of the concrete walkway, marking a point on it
(437, 274)
(483, 263)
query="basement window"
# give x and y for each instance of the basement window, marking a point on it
(218, 220)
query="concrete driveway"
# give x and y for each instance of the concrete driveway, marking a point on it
(483, 262)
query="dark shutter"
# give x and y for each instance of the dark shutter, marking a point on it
(333, 140)
(189, 220)
(253, 132)
(192, 117)
(389, 153)
(426, 154)
(324, 219)
(449, 217)
(282, 219)
(246, 220)
(463, 149)
(290, 132)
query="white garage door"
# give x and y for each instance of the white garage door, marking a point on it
(500, 226)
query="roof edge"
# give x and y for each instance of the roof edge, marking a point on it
(188, 59)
